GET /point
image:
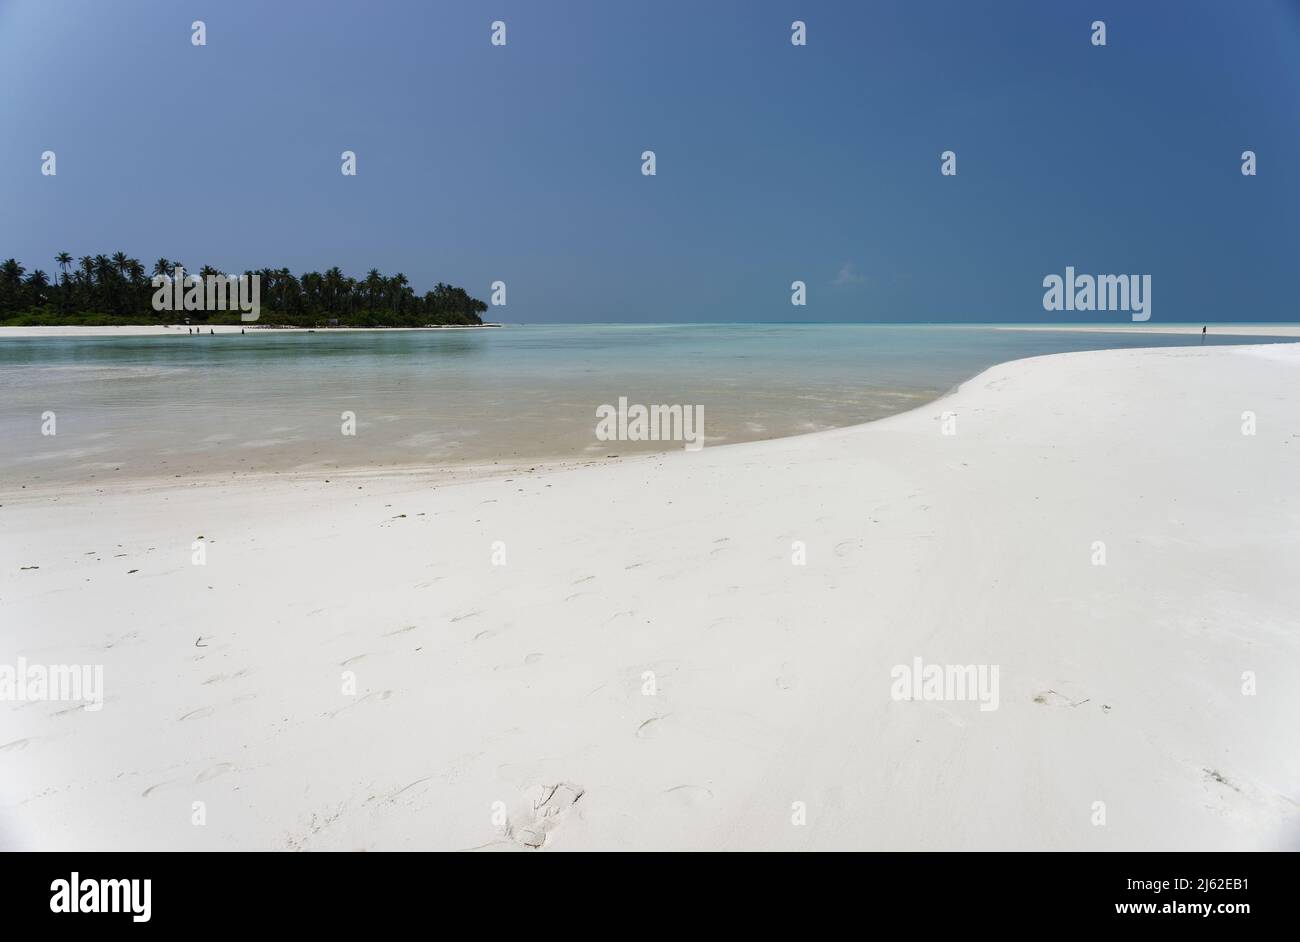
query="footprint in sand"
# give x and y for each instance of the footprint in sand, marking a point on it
(392, 796)
(374, 695)
(1214, 775)
(221, 768)
(551, 805)
(15, 746)
(651, 727)
(218, 678)
(1052, 698)
(689, 795)
(534, 658)
(200, 713)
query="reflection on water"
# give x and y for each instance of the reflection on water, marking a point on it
(180, 405)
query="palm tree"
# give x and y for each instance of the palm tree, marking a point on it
(11, 273)
(37, 282)
(120, 285)
(399, 284)
(311, 289)
(374, 284)
(104, 274)
(206, 272)
(65, 262)
(333, 284)
(11, 283)
(86, 282)
(288, 285)
(350, 292)
(121, 265)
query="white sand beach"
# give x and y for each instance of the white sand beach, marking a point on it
(769, 683)
(1219, 330)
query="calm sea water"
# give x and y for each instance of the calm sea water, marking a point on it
(146, 407)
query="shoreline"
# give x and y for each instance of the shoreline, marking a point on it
(479, 683)
(163, 330)
(470, 470)
(1221, 330)
(1289, 329)
(436, 474)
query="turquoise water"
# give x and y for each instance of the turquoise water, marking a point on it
(154, 407)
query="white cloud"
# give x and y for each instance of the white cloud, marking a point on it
(848, 275)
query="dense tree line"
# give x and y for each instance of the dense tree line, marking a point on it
(117, 289)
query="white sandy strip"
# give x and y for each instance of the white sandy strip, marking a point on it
(1119, 684)
(1218, 330)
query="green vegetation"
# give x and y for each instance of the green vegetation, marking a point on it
(106, 291)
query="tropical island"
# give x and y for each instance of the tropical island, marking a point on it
(116, 291)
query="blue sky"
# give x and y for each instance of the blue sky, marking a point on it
(775, 163)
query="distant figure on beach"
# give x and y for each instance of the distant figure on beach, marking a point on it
(1203, 329)
(209, 331)
(241, 331)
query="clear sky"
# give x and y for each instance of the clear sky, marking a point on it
(774, 162)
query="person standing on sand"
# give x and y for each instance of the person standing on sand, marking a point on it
(1203, 329)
